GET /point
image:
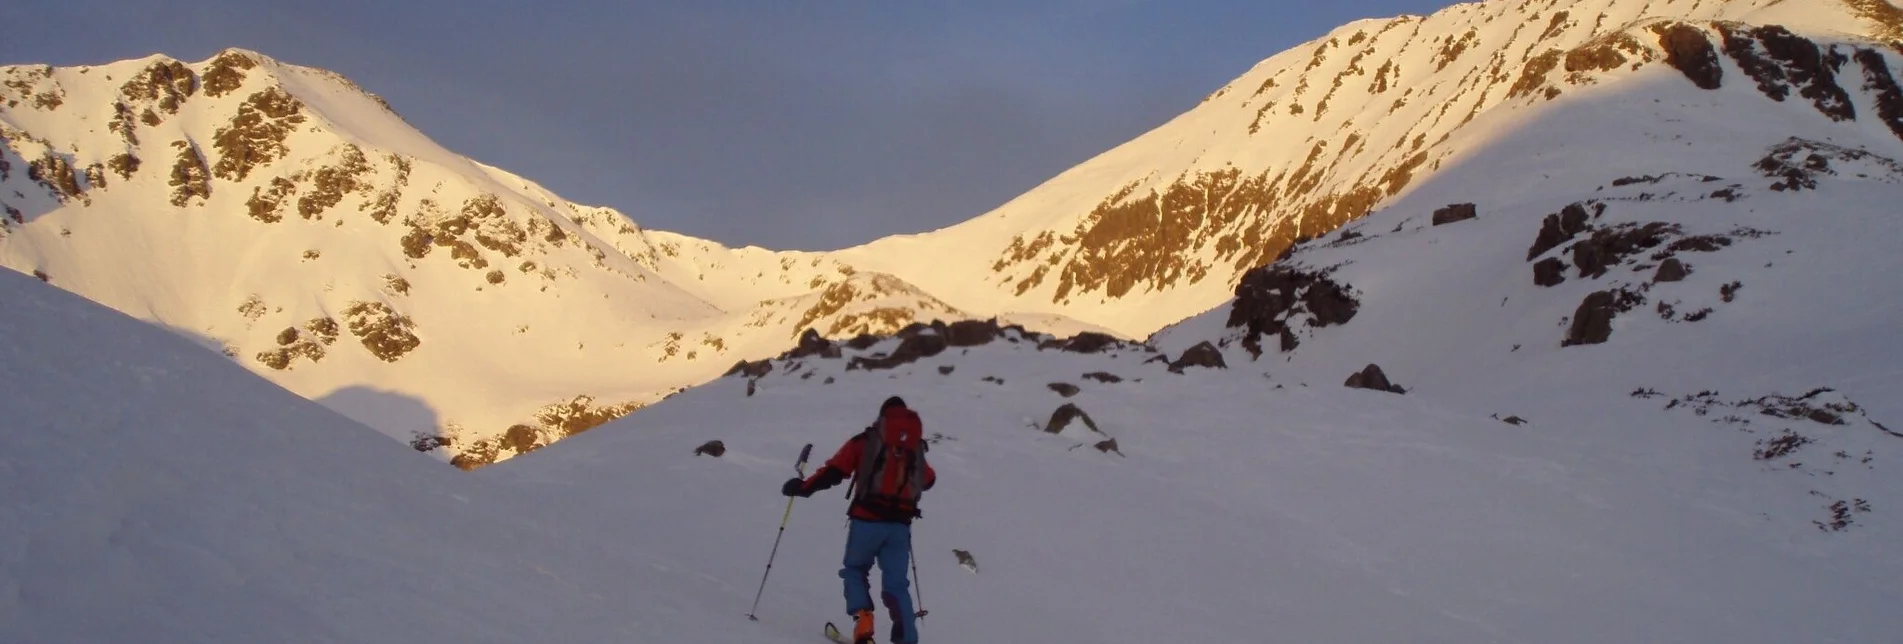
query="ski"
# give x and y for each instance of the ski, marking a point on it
(832, 633)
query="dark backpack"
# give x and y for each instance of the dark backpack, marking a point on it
(892, 463)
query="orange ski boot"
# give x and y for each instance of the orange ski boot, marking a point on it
(862, 627)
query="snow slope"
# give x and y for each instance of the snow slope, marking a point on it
(1240, 508)
(295, 223)
(1258, 502)
(152, 492)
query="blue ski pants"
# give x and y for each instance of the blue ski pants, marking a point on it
(890, 544)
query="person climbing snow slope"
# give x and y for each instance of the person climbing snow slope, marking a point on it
(886, 464)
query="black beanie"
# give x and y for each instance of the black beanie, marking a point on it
(894, 401)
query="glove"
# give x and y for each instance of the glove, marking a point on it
(795, 487)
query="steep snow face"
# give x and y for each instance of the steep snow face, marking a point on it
(1326, 132)
(299, 226)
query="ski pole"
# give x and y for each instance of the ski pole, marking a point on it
(917, 584)
(799, 467)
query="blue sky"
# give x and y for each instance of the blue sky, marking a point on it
(798, 124)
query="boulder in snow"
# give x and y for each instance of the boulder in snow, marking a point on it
(711, 448)
(1373, 378)
(1672, 270)
(1064, 389)
(1063, 416)
(1455, 213)
(1202, 355)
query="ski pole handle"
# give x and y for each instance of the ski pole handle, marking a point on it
(805, 452)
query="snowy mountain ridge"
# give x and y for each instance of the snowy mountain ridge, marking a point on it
(287, 217)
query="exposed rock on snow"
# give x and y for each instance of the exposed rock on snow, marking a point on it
(1549, 272)
(1671, 270)
(1064, 389)
(1592, 322)
(1371, 377)
(712, 448)
(1272, 299)
(1204, 355)
(1063, 416)
(1557, 229)
(971, 333)
(1454, 213)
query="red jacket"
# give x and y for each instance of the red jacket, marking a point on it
(846, 462)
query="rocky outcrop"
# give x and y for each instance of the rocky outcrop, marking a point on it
(1086, 342)
(812, 344)
(1592, 322)
(1204, 355)
(1609, 246)
(1559, 228)
(1271, 299)
(1454, 213)
(1372, 378)
(1549, 272)
(910, 350)
(1690, 52)
(971, 333)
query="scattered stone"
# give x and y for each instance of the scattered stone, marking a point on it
(1510, 420)
(1062, 417)
(1454, 213)
(965, 560)
(1064, 389)
(1108, 446)
(993, 379)
(1373, 378)
(946, 370)
(1204, 355)
(1672, 270)
(711, 448)
(1103, 377)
